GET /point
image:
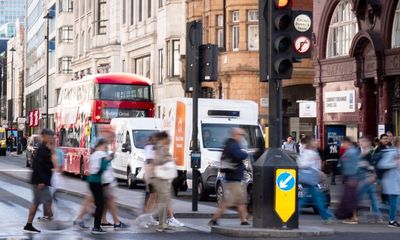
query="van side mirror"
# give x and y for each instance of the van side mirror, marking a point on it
(126, 148)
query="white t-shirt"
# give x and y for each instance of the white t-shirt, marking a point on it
(149, 152)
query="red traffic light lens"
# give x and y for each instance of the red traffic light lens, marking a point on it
(282, 3)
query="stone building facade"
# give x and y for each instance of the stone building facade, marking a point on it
(238, 40)
(357, 52)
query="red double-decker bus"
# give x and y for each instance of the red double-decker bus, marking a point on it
(86, 105)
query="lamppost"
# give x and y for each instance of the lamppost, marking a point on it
(11, 120)
(47, 17)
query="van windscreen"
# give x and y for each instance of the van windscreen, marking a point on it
(141, 137)
(215, 135)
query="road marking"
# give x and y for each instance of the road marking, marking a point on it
(15, 170)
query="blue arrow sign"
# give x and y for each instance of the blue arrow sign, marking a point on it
(285, 181)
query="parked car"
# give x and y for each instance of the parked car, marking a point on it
(32, 146)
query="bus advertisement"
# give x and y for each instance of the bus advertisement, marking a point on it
(86, 106)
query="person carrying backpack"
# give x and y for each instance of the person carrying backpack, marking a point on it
(235, 190)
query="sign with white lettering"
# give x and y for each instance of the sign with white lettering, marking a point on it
(339, 102)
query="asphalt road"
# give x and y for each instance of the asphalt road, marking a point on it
(15, 199)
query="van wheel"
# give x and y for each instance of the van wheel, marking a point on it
(82, 169)
(130, 179)
(203, 194)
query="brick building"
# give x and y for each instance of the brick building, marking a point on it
(238, 40)
(357, 62)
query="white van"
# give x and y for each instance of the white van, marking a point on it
(132, 135)
(216, 118)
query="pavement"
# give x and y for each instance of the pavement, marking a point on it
(131, 201)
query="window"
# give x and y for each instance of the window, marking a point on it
(102, 17)
(252, 16)
(64, 65)
(235, 16)
(140, 10)
(176, 58)
(220, 31)
(88, 40)
(132, 11)
(342, 28)
(82, 45)
(235, 37)
(160, 3)
(142, 66)
(160, 66)
(65, 6)
(123, 11)
(149, 8)
(396, 28)
(252, 30)
(65, 34)
(252, 37)
(122, 92)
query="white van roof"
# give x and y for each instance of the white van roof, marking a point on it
(139, 123)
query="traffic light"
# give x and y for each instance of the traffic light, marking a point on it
(194, 31)
(284, 35)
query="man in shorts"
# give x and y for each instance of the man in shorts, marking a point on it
(235, 193)
(41, 178)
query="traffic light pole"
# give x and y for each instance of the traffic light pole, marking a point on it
(275, 112)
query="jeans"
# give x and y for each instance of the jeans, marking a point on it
(393, 200)
(319, 200)
(332, 168)
(369, 189)
(98, 195)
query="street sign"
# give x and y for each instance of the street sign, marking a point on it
(302, 44)
(285, 193)
(302, 23)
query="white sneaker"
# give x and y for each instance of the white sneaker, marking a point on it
(152, 221)
(173, 222)
(140, 221)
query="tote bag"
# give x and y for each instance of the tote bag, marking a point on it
(166, 171)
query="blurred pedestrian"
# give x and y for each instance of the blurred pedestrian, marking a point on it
(164, 172)
(290, 145)
(390, 136)
(235, 193)
(98, 163)
(383, 146)
(367, 178)
(42, 166)
(390, 164)
(331, 157)
(310, 175)
(348, 205)
(146, 218)
(109, 183)
(302, 143)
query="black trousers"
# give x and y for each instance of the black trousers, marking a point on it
(332, 168)
(98, 195)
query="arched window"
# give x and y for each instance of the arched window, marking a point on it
(342, 28)
(396, 28)
(88, 45)
(76, 47)
(82, 44)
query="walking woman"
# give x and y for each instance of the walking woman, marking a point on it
(97, 165)
(310, 173)
(164, 173)
(390, 164)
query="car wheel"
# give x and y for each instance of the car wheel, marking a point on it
(130, 179)
(203, 194)
(220, 193)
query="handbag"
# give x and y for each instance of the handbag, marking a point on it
(166, 171)
(309, 176)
